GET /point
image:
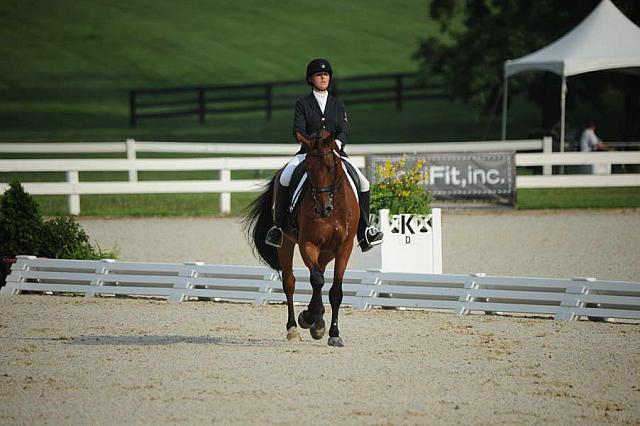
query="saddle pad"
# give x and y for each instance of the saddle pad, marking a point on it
(299, 179)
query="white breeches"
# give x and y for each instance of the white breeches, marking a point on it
(287, 173)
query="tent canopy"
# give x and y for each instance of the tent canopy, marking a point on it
(606, 39)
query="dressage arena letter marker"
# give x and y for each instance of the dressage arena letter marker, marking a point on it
(405, 224)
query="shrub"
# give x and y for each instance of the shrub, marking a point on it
(22, 231)
(400, 190)
(20, 223)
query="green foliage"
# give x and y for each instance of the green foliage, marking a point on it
(67, 65)
(22, 231)
(20, 222)
(492, 32)
(400, 190)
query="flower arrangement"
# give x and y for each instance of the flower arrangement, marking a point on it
(399, 189)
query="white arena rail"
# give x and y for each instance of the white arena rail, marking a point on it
(564, 299)
(131, 147)
(596, 169)
(73, 188)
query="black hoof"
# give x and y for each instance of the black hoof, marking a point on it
(302, 320)
(335, 341)
(318, 330)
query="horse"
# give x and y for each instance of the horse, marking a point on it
(323, 225)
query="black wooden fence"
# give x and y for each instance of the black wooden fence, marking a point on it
(204, 100)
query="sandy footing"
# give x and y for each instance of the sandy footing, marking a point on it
(72, 360)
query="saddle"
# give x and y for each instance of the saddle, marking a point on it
(299, 182)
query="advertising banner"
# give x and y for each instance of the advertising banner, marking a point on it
(488, 176)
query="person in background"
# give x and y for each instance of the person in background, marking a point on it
(589, 141)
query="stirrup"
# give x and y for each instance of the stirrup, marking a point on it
(274, 237)
(373, 236)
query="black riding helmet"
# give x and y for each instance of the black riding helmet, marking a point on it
(318, 65)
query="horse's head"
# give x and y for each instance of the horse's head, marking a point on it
(322, 162)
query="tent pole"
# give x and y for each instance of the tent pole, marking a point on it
(505, 90)
(563, 97)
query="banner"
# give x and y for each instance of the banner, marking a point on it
(488, 176)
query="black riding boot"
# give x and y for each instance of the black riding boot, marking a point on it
(368, 236)
(274, 236)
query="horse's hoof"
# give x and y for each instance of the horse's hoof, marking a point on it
(302, 320)
(335, 341)
(317, 330)
(293, 335)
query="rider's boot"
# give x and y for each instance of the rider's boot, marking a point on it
(274, 236)
(368, 236)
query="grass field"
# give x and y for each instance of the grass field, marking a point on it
(67, 66)
(207, 204)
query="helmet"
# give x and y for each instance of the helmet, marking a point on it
(318, 65)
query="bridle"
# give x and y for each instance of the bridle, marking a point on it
(330, 189)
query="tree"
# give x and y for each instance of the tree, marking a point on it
(477, 36)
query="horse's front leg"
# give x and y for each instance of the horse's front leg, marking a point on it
(312, 317)
(285, 256)
(335, 294)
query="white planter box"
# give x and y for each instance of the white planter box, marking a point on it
(412, 243)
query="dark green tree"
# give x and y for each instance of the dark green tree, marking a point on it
(477, 36)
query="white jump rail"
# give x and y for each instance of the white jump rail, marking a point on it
(564, 299)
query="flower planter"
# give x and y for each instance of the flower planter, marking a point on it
(412, 243)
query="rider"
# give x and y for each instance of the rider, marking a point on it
(319, 110)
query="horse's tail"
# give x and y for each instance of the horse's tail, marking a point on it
(257, 220)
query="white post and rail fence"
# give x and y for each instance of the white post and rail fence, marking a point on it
(263, 157)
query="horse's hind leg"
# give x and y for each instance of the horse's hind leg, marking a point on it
(285, 255)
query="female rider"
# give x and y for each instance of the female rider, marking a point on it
(315, 111)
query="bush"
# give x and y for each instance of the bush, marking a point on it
(400, 190)
(22, 231)
(20, 223)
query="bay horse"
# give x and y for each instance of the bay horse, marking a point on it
(323, 225)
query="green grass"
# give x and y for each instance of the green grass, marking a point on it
(579, 198)
(208, 204)
(67, 66)
(145, 205)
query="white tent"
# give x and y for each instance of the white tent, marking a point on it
(606, 39)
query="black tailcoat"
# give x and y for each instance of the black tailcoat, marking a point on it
(309, 119)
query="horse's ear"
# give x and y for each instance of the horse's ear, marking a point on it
(302, 140)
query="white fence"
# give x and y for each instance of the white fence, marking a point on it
(73, 188)
(597, 167)
(564, 299)
(131, 147)
(225, 185)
